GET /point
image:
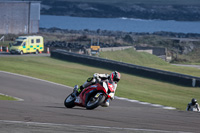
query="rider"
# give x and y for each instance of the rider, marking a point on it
(114, 77)
(193, 106)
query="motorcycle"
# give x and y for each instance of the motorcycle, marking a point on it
(92, 96)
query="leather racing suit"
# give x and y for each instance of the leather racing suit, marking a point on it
(96, 79)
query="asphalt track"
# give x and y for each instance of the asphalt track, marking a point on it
(42, 111)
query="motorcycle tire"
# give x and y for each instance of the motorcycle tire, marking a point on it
(92, 103)
(69, 102)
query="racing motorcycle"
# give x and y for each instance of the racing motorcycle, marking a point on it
(92, 96)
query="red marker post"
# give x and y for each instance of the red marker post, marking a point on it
(48, 50)
(7, 49)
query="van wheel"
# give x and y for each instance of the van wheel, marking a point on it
(21, 53)
(36, 52)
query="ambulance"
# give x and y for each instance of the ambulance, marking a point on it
(27, 44)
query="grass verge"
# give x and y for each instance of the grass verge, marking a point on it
(3, 97)
(149, 60)
(130, 86)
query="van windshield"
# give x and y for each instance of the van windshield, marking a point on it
(17, 43)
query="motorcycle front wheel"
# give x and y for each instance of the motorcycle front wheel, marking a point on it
(95, 102)
(69, 102)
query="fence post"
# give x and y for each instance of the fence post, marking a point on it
(193, 82)
(47, 50)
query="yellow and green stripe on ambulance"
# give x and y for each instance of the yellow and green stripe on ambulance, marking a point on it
(27, 44)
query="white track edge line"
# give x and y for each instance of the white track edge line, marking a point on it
(18, 99)
(145, 103)
(89, 126)
(120, 98)
(36, 79)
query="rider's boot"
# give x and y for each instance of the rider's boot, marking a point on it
(105, 103)
(85, 85)
(77, 90)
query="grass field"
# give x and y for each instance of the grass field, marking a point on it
(130, 86)
(145, 59)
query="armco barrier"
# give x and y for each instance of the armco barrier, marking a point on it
(166, 76)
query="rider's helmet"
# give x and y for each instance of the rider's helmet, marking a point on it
(115, 76)
(194, 101)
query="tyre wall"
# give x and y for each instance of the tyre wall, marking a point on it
(166, 76)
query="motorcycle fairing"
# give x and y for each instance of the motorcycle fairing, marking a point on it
(83, 97)
(78, 100)
(91, 90)
(101, 88)
(108, 87)
(86, 97)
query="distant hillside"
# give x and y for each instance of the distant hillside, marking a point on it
(141, 9)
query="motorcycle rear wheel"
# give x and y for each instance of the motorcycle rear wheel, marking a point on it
(69, 102)
(95, 102)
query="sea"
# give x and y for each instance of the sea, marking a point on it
(119, 24)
